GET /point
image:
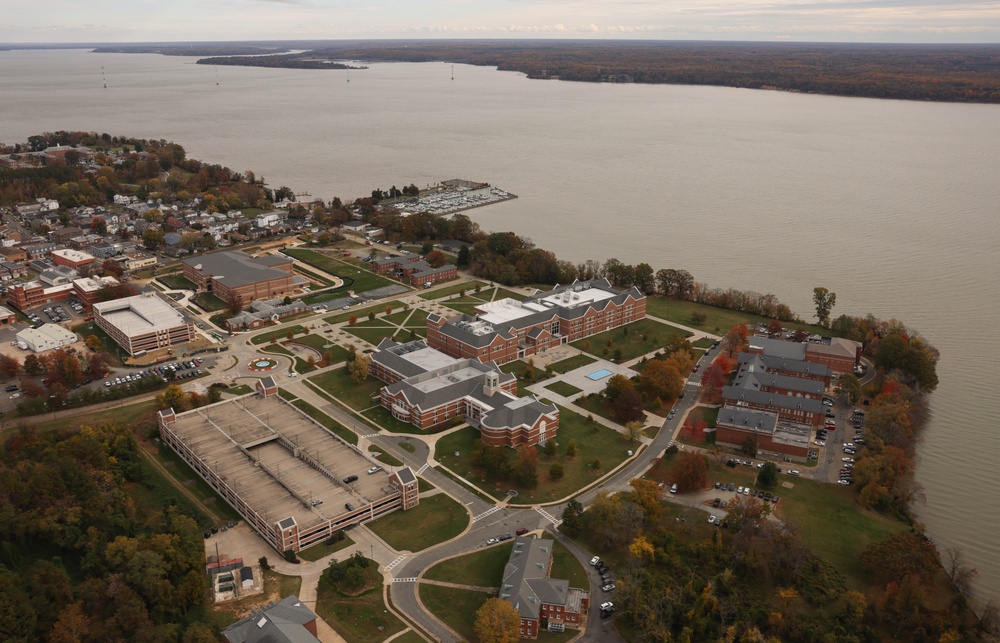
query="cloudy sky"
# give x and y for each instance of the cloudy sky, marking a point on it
(797, 20)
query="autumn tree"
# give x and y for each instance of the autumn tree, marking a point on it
(358, 368)
(112, 268)
(767, 477)
(152, 239)
(172, 397)
(9, 366)
(627, 407)
(824, 301)
(94, 342)
(735, 339)
(526, 468)
(436, 259)
(33, 365)
(690, 471)
(497, 622)
(352, 320)
(712, 381)
(646, 494)
(660, 379)
(633, 431)
(616, 384)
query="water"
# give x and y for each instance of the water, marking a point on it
(892, 205)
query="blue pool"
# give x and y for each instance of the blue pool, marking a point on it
(599, 375)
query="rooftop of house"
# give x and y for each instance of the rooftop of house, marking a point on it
(276, 622)
(525, 583)
(235, 268)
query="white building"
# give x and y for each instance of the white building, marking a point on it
(46, 337)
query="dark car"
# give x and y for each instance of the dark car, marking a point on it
(717, 502)
(350, 479)
(521, 531)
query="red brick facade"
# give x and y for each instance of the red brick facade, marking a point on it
(544, 428)
(403, 411)
(737, 436)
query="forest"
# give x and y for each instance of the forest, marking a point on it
(950, 73)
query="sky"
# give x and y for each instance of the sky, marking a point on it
(66, 21)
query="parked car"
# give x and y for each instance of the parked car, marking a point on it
(521, 531)
(595, 560)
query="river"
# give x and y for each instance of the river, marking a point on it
(890, 204)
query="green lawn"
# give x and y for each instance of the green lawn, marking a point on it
(359, 619)
(384, 457)
(596, 405)
(564, 389)
(277, 349)
(177, 282)
(362, 313)
(483, 568)
(456, 607)
(108, 345)
(314, 276)
(287, 395)
(409, 637)
(371, 335)
(433, 521)
(323, 550)
(593, 442)
(423, 486)
(278, 334)
(209, 301)
(357, 279)
(338, 383)
(704, 342)
(454, 289)
(629, 339)
(519, 368)
(570, 363)
(182, 475)
(335, 427)
(382, 417)
(718, 320)
(565, 565)
(239, 389)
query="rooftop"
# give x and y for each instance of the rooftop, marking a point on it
(140, 315)
(237, 268)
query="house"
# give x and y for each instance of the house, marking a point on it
(63, 235)
(354, 227)
(427, 388)
(7, 317)
(32, 293)
(14, 253)
(286, 621)
(10, 270)
(506, 330)
(535, 596)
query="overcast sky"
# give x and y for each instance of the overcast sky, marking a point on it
(797, 20)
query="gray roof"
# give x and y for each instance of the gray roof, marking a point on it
(779, 348)
(282, 622)
(434, 388)
(266, 309)
(405, 359)
(789, 365)
(762, 421)
(523, 411)
(235, 268)
(406, 475)
(754, 379)
(525, 583)
(776, 400)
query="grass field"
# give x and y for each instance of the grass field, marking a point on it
(323, 550)
(434, 520)
(359, 619)
(209, 301)
(564, 389)
(277, 334)
(570, 363)
(409, 637)
(335, 427)
(384, 457)
(629, 339)
(362, 313)
(718, 320)
(312, 276)
(239, 389)
(454, 289)
(383, 418)
(372, 335)
(177, 282)
(456, 607)
(483, 568)
(338, 383)
(519, 368)
(363, 280)
(565, 565)
(593, 442)
(126, 414)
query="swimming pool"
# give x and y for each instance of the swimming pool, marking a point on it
(599, 375)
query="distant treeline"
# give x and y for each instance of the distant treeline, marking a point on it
(221, 49)
(292, 61)
(954, 73)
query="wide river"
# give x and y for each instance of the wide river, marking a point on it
(892, 205)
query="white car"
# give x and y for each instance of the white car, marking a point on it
(739, 490)
(794, 472)
(711, 519)
(374, 469)
(847, 459)
(595, 560)
(292, 374)
(820, 443)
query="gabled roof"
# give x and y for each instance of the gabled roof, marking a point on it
(523, 411)
(754, 379)
(282, 622)
(736, 395)
(779, 348)
(235, 268)
(525, 583)
(760, 421)
(809, 369)
(461, 379)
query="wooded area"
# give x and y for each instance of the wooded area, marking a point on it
(953, 73)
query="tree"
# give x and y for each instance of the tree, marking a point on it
(463, 256)
(352, 320)
(825, 301)
(633, 431)
(690, 471)
(661, 379)
(712, 381)
(616, 384)
(850, 385)
(358, 368)
(526, 468)
(571, 449)
(172, 398)
(371, 315)
(556, 471)
(497, 622)
(112, 268)
(571, 521)
(749, 446)
(436, 259)
(388, 310)
(643, 278)
(735, 339)
(33, 365)
(152, 239)
(9, 366)
(627, 407)
(768, 475)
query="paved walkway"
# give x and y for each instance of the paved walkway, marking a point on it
(473, 588)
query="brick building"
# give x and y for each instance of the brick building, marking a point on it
(535, 596)
(734, 425)
(235, 274)
(72, 258)
(142, 323)
(427, 388)
(506, 330)
(839, 354)
(414, 269)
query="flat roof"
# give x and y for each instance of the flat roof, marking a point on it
(265, 427)
(428, 358)
(140, 314)
(447, 379)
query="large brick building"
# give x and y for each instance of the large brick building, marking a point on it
(234, 274)
(427, 388)
(414, 269)
(839, 354)
(527, 587)
(142, 323)
(506, 330)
